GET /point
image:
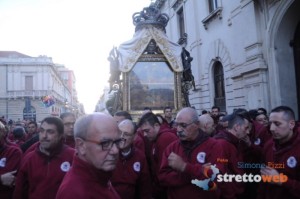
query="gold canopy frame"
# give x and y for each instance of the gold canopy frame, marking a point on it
(157, 108)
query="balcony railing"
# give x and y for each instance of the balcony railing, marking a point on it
(32, 94)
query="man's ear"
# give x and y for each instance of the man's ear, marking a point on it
(80, 146)
(292, 124)
(236, 127)
(156, 126)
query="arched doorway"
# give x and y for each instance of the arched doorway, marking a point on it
(296, 46)
(281, 57)
(220, 98)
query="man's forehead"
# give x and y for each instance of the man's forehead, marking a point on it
(183, 116)
(68, 118)
(277, 116)
(126, 127)
(47, 125)
(104, 135)
(106, 127)
(145, 125)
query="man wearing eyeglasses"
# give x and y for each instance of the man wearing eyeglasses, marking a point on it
(68, 119)
(131, 178)
(159, 139)
(97, 141)
(184, 160)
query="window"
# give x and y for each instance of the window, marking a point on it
(28, 83)
(213, 5)
(29, 112)
(220, 99)
(180, 15)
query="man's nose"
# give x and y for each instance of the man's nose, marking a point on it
(114, 149)
(43, 135)
(272, 127)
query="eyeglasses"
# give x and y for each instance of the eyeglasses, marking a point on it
(69, 124)
(182, 125)
(108, 144)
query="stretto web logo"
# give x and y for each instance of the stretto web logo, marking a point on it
(251, 178)
(209, 183)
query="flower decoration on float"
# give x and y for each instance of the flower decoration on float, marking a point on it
(48, 100)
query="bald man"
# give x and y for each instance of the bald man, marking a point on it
(207, 124)
(97, 141)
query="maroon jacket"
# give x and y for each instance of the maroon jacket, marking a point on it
(131, 177)
(83, 181)
(288, 154)
(259, 136)
(10, 159)
(139, 142)
(70, 141)
(40, 175)
(162, 141)
(179, 184)
(232, 150)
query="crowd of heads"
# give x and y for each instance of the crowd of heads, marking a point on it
(100, 138)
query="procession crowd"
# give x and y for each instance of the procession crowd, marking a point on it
(245, 154)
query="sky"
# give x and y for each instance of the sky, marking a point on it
(76, 33)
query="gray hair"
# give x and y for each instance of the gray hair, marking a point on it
(204, 119)
(191, 112)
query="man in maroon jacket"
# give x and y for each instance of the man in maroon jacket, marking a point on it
(32, 130)
(10, 159)
(131, 178)
(68, 119)
(159, 139)
(207, 124)
(97, 143)
(282, 156)
(184, 160)
(230, 142)
(43, 169)
(252, 147)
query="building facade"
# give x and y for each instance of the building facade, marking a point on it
(34, 87)
(246, 52)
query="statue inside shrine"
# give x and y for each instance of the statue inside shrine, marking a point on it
(187, 70)
(114, 68)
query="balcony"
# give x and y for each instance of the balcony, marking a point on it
(35, 94)
(217, 13)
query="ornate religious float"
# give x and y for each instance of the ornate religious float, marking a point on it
(150, 70)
